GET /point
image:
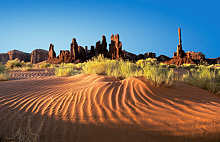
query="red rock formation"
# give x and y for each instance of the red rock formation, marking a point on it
(195, 55)
(39, 55)
(52, 53)
(64, 57)
(101, 47)
(180, 57)
(115, 48)
(74, 50)
(22, 56)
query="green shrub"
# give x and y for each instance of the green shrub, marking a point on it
(204, 77)
(116, 68)
(16, 63)
(149, 61)
(66, 71)
(172, 66)
(159, 75)
(188, 66)
(4, 76)
(44, 65)
(2, 68)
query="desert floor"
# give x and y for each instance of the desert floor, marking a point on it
(93, 108)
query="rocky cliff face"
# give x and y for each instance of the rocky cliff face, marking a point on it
(22, 56)
(38, 55)
(115, 47)
(80, 54)
(4, 58)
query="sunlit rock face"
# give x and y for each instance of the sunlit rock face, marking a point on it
(180, 57)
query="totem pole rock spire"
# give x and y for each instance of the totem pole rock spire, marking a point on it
(180, 39)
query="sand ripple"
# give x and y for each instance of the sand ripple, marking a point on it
(91, 100)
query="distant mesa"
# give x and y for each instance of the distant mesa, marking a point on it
(79, 53)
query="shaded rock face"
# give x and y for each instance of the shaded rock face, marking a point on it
(74, 50)
(76, 54)
(115, 48)
(213, 60)
(101, 47)
(13, 54)
(195, 55)
(4, 58)
(80, 54)
(39, 55)
(129, 56)
(163, 58)
(51, 54)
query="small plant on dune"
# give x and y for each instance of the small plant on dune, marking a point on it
(44, 65)
(149, 61)
(188, 66)
(67, 70)
(95, 66)
(122, 69)
(204, 77)
(16, 63)
(116, 68)
(3, 73)
(159, 75)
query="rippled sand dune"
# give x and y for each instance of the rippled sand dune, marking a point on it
(98, 108)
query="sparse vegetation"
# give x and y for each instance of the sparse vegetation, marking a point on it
(67, 70)
(16, 63)
(203, 77)
(3, 73)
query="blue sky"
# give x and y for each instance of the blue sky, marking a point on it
(143, 25)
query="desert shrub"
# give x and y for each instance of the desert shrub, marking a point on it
(172, 66)
(188, 66)
(4, 76)
(116, 68)
(204, 77)
(122, 69)
(159, 75)
(16, 63)
(3, 73)
(2, 68)
(66, 71)
(149, 61)
(44, 65)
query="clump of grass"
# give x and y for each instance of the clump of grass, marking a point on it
(116, 68)
(148, 61)
(3, 73)
(16, 63)
(159, 75)
(204, 77)
(44, 65)
(188, 66)
(67, 69)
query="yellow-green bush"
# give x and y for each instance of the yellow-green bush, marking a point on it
(3, 73)
(203, 77)
(116, 68)
(149, 61)
(159, 75)
(66, 71)
(16, 63)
